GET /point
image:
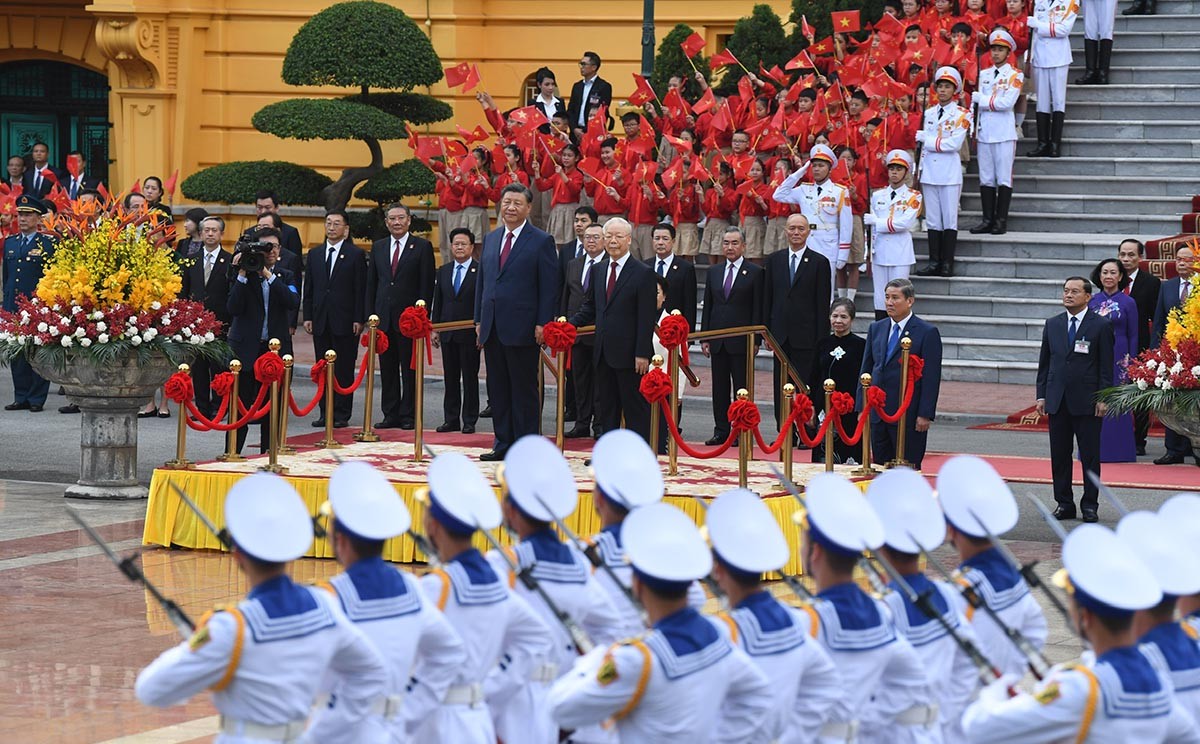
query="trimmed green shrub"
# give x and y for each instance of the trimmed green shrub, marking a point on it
(237, 182)
(406, 178)
(326, 119)
(411, 107)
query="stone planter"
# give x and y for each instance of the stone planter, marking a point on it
(108, 397)
(1187, 425)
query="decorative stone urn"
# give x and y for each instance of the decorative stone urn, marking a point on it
(108, 397)
(1186, 424)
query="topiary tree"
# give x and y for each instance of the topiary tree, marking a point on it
(756, 38)
(237, 182)
(671, 60)
(389, 186)
(818, 12)
(365, 45)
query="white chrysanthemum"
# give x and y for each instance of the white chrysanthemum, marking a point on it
(1141, 385)
(150, 334)
(76, 309)
(54, 331)
(80, 332)
(1166, 385)
(85, 342)
(176, 338)
(1176, 368)
(186, 330)
(67, 341)
(101, 326)
(37, 341)
(197, 340)
(209, 338)
(102, 338)
(42, 328)
(1152, 364)
(156, 305)
(136, 340)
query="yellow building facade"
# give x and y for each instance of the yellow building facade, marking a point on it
(185, 76)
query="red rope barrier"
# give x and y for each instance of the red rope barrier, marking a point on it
(414, 324)
(318, 376)
(302, 412)
(559, 336)
(381, 341)
(199, 422)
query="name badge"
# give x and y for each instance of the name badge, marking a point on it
(1082, 346)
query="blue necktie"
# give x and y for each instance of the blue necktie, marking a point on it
(457, 278)
(792, 274)
(662, 267)
(1071, 333)
(266, 294)
(893, 340)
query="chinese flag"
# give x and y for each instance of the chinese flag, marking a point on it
(428, 148)
(846, 21)
(697, 171)
(890, 29)
(720, 120)
(472, 137)
(840, 173)
(722, 58)
(692, 45)
(801, 62)
(465, 74)
(499, 159)
(643, 94)
(705, 102)
(824, 46)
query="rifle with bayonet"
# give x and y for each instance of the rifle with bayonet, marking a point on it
(1026, 570)
(420, 540)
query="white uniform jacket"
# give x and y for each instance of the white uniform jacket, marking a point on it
(1174, 650)
(1050, 26)
(827, 207)
(999, 88)
(943, 130)
(894, 218)
(1003, 589)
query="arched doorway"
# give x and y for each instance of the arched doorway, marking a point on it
(60, 104)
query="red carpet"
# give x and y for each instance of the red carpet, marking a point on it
(1027, 419)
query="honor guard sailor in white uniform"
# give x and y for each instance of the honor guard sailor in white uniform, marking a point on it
(536, 478)
(747, 542)
(1118, 699)
(627, 476)
(975, 497)
(944, 128)
(1169, 644)
(895, 210)
(505, 638)
(825, 204)
(264, 657)
(856, 629)
(1182, 512)
(422, 651)
(996, 134)
(912, 523)
(1050, 34)
(681, 682)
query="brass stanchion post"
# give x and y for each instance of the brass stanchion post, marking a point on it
(656, 362)
(830, 386)
(329, 442)
(231, 453)
(743, 446)
(181, 462)
(898, 461)
(419, 396)
(368, 434)
(284, 448)
(560, 398)
(273, 420)
(865, 469)
(785, 411)
(673, 373)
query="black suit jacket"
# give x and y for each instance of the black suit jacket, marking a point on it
(601, 93)
(743, 307)
(335, 303)
(87, 182)
(246, 306)
(388, 295)
(681, 287)
(797, 311)
(449, 306)
(1168, 300)
(47, 184)
(214, 294)
(1066, 380)
(289, 238)
(1145, 294)
(573, 294)
(566, 254)
(624, 322)
(885, 369)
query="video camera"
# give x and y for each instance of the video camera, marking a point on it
(254, 252)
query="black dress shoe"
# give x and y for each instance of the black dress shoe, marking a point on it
(1062, 513)
(1089, 515)
(72, 408)
(446, 427)
(570, 414)
(1141, 450)
(486, 412)
(388, 424)
(579, 432)
(1171, 458)
(491, 456)
(717, 439)
(319, 424)
(468, 429)
(17, 407)
(35, 409)
(341, 424)
(409, 425)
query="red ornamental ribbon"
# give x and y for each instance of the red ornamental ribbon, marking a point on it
(320, 380)
(801, 413)
(222, 384)
(268, 368)
(655, 386)
(559, 336)
(199, 422)
(415, 324)
(178, 387)
(916, 367)
(673, 333)
(381, 341)
(318, 376)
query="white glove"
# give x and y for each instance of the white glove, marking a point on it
(920, 136)
(975, 97)
(997, 692)
(842, 257)
(1031, 22)
(868, 219)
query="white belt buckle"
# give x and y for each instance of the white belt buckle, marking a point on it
(547, 672)
(919, 715)
(283, 732)
(846, 731)
(469, 695)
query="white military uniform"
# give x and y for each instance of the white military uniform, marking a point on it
(422, 651)
(264, 660)
(996, 135)
(1098, 19)
(1050, 29)
(894, 214)
(1003, 589)
(943, 131)
(1174, 649)
(803, 680)
(827, 207)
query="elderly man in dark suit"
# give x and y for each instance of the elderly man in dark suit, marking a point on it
(622, 303)
(206, 280)
(733, 296)
(882, 360)
(335, 309)
(401, 272)
(454, 299)
(576, 286)
(797, 297)
(590, 91)
(1171, 295)
(1143, 288)
(1076, 362)
(515, 295)
(261, 306)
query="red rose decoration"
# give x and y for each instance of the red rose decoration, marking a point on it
(876, 397)
(268, 368)
(414, 323)
(916, 367)
(559, 336)
(743, 416)
(178, 387)
(673, 332)
(222, 384)
(655, 386)
(841, 403)
(803, 409)
(318, 371)
(381, 341)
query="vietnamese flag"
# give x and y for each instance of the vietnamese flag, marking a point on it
(721, 121)
(692, 45)
(681, 146)
(705, 102)
(672, 174)
(722, 58)
(697, 171)
(465, 74)
(840, 173)
(674, 104)
(774, 74)
(889, 28)
(472, 137)
(846, 21)
(801, 62)
(806, 30)
(824, 46)
(643, 93)
(74, 166)
(169, 186)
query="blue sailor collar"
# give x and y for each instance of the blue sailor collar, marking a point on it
(855, 609)
(375, 579)
(1000, 574)
(372, 590)
(280, 597)
(1132, 687)
(685, 642)
(766, 626)
(771, 615)
(614, 531)
(547, 548)
(921, 584)
(473, 579)
(851, 620)
(278, 610)
(1177, 650)
(474, 567)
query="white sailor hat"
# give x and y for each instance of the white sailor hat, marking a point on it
(743, 533)
(948, 73)
(899, 157)
(1174, 564)
(627, 472)
(904, 501)
(1106, 576)
(838, 516)
(267, 520)
(1181, 513)
(460, 498)
(975, 497)
(665, 547)
(823, 152)
(365, 503)
(1001, 37)
(537, 477)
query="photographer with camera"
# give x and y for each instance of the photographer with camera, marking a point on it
(262, 299)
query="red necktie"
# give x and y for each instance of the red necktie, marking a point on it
(1128, 287)
(396, 257)
(506, 249)
(612, 280)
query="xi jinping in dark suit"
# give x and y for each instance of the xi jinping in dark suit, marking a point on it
(1076, 362)
(335, 310)
(454, 299)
